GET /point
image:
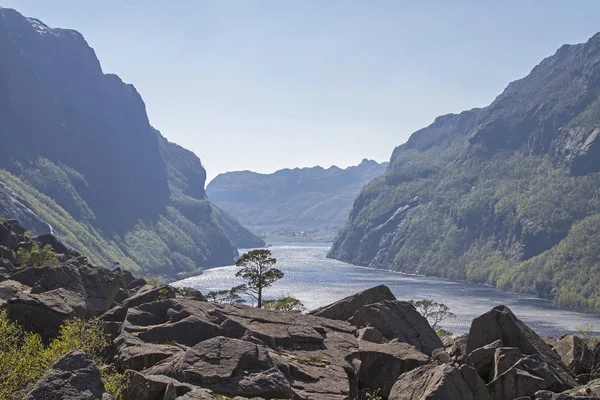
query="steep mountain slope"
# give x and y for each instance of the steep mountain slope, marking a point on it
(78, 148)
(507, 195)
(292, 200)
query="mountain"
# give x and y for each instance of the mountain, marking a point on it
(292, 200)
(507, 195)
(79, 153)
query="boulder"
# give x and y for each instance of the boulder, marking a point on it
(370, 334)
(399, 320)
(590, 391)
(381, 364)
(44, 313)
(309, 351)
(136, 355)
(57, 245)
(227, 366)
(154, 387)
(526, 377)
(98, 286)
(482, 359)
(344, 309)
(73, 377)
(457, 348)
(440, 356)
(432, 382)
(475, 383)
(146, 294)
(504, 359)
(501, 324)
(575, 353)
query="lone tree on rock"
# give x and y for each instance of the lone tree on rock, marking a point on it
(257, 269)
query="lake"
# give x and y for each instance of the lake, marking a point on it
(318, 281)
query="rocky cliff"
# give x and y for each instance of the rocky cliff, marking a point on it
(78, 149)
(504, 195)
(292, 200)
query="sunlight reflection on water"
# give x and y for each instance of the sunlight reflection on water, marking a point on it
(318, 281)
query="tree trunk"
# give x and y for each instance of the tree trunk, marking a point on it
(259, 298)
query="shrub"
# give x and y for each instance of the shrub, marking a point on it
(285, 304)
(24, 359)
(37, 257)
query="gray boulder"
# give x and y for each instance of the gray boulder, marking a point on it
(44, 313)
(309, 351)
(475, 383)
(381, 364)
(344, 309)
(590, 391)
(154, 387)
(482, 359)
(504, 359)
(73, 377)
(575, 353)
(432, 382)
(370, 334)
(227, 366)
(399, 320)
(501, 324)
(526, 377)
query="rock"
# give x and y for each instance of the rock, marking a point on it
(432, 382)
(583, 379)
(588, 392)
(501, 324)
(134, 354)
(227, 366)
(482, 359)
(73, 377)
(382, 364)
(98, 286)
(154, 387)
(57, 245)
(441, 357)
(200, 394)
(344, 309)
(475, 383)
(399, 320)
(370, 334)
(526, 377)
(575, 353)
(457, 348)
(44, 313)
(146, 294)
(310, 351)
(504, 359)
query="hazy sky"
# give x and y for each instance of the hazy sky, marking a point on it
(264, 85)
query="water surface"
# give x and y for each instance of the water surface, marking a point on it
(318, 281)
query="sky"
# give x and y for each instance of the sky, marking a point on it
(264, 85)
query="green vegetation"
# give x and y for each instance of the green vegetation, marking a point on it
(24, 359)
(231, 296)
(511, 220)
(285, 304)
(435, 312)
(374, 395)
(256, 268)
(37, 257)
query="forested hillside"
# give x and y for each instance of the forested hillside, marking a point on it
(79, 154)
(507, 195)
(296, 200)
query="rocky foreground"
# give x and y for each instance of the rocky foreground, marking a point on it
(175, 345)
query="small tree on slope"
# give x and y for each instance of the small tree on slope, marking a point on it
(257, 269)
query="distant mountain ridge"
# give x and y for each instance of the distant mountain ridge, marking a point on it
(505, 195)
(292, 200)
(79, 151)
